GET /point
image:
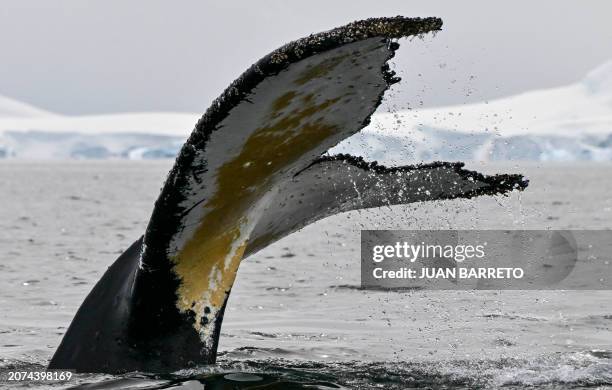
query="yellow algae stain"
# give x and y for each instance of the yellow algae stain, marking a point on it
(320, 70)
(208, 263)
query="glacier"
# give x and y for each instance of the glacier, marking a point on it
(38, 144)
(568, 123)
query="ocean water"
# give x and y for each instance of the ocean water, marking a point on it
(297, 317)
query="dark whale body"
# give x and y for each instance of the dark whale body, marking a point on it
(104, 337)
(252, 172)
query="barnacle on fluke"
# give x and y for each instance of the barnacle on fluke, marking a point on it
(251, 173)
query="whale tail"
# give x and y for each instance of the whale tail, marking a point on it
(252, 172)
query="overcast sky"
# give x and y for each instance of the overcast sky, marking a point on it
(82, 57)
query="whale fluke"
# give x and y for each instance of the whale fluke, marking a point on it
(254, 170)
(336, 184)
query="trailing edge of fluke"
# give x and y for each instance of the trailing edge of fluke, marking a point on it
(252, 172)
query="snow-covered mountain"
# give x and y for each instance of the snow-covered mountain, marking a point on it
(34, 134)
(16, 109)
(573, 122)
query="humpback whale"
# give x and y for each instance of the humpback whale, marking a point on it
(254, 170)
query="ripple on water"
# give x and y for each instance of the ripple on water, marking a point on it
(575, 370)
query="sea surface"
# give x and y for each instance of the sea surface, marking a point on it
(297, 317)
